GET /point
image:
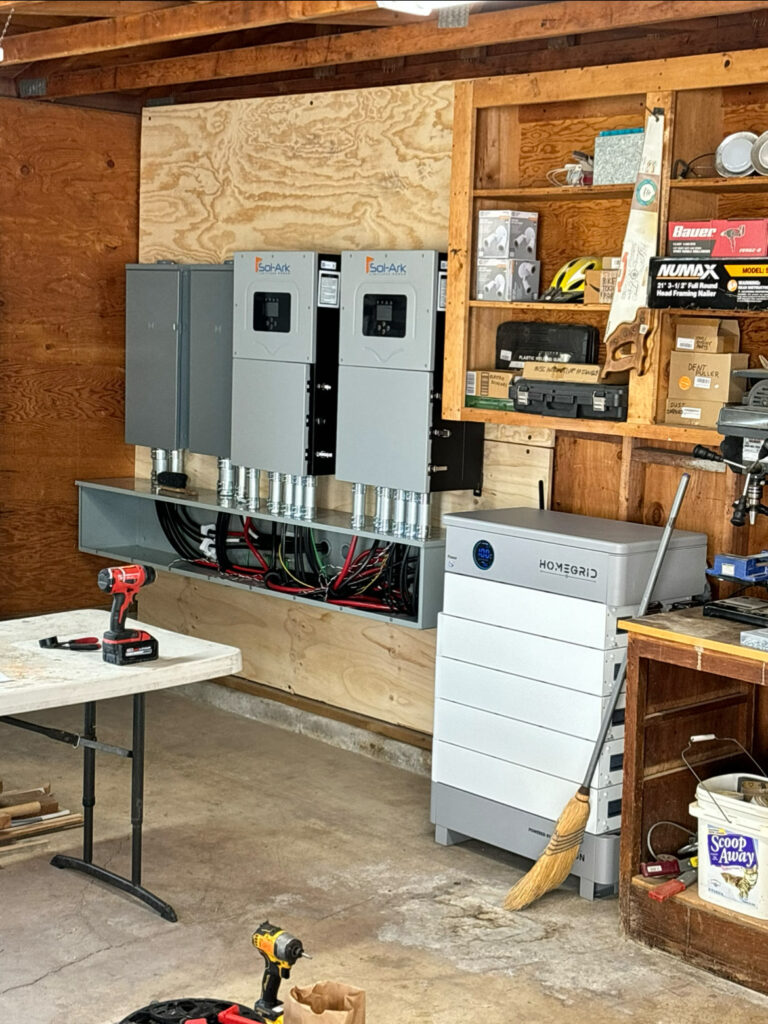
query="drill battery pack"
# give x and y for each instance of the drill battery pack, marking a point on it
(129, 647)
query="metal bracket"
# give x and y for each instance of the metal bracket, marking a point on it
(29, 87)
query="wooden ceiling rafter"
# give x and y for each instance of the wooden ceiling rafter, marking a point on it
(557, 19)
(184, 21)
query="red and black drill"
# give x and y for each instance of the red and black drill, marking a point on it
(121, 646)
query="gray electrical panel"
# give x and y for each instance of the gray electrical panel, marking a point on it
(178, 355)
(285, 366)
(390, 431)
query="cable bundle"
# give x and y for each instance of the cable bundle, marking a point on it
(381, 578)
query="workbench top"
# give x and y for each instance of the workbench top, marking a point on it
(33, 678)
(691, 628)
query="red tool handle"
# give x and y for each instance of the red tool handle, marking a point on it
(232, 1016)
(667, 890)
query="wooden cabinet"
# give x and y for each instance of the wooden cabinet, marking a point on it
(509, 132)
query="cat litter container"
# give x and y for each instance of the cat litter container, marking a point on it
(733, 847)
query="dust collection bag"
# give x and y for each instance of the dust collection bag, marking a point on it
(325, 1002)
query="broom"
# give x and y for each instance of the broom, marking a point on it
(555, 863)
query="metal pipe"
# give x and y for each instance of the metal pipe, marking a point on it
(252, 489)
(382, 522)
(225, 485)
(412, 514)
(399, 521)
(358, 506)
(297, 497)
(177, 460)
(286, 494)
(273, 493)
(310, 497)
(241, 486)
(159, 465)
(422, 525)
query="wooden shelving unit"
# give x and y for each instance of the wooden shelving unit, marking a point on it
(504, 144)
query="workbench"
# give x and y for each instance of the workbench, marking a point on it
(33, 679)
(688, 675)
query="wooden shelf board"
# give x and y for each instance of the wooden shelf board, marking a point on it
(575, 307)
(557, 192)
(723, 314)
(649, 431)
(753, 184)
(690, 898)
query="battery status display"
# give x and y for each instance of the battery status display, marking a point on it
(483, 554)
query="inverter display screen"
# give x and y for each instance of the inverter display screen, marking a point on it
(272, 311)
(384, 316)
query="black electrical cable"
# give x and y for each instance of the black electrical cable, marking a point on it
(220, 541)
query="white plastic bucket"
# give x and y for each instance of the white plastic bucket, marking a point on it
(733, 847)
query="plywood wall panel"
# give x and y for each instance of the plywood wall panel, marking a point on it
(349, 170)
(368, 168)
(68, 223)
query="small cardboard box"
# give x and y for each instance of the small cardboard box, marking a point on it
(504, 234)
(599, 285)
(489, 383)
(507, 280)
(705, 335)
(706, 377)
(692, 413)
(575, 373)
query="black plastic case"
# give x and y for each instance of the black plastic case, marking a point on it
(520, 341)
(559, 398)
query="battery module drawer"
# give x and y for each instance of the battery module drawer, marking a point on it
(572, 401)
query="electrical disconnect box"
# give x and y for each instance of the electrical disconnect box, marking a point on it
(390, 431)
(285, 371)
(178, 354)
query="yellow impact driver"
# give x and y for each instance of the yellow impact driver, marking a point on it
(280, 950)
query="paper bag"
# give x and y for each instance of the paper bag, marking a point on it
(325, 1002)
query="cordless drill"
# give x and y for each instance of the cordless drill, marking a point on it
(280, 950)
(121, 646)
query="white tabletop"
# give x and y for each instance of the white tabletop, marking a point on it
(39, 678)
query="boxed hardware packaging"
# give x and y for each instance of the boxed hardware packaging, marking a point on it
(503, 234)
(720, 238)
(617, 156)
(701, 334)
(506, 280)
(490, 389)
(706, 376)
(677, 282)
(599, 285)
(692, 412)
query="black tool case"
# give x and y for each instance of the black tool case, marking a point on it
(521, 341)
(561, 398)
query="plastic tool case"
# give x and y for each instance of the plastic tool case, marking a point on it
(561, 398)
(518, 342)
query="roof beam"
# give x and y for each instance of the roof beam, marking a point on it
(161, 26)
(563, 17)
(85, 8)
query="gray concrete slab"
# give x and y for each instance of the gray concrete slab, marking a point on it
(247, 821)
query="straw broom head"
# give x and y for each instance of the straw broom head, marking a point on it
(554, 865)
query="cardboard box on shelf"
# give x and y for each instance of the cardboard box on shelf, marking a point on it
(507, 280)
(720, 238)
(506, 234)
(576, 373)
(702, 334)
(678, 282)
(599, 286)
(706, 376)
(692, 413)
(490, 383)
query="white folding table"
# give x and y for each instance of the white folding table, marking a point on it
(33, 679)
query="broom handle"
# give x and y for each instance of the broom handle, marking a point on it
(645, 600)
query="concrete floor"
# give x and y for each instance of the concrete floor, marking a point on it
(247, 821)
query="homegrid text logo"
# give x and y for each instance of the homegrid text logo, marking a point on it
(372, 267)
(270, 268)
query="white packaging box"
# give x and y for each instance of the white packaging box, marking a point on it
(506, 234)
(507, 280)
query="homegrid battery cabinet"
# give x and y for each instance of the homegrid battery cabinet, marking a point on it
(528, 652)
